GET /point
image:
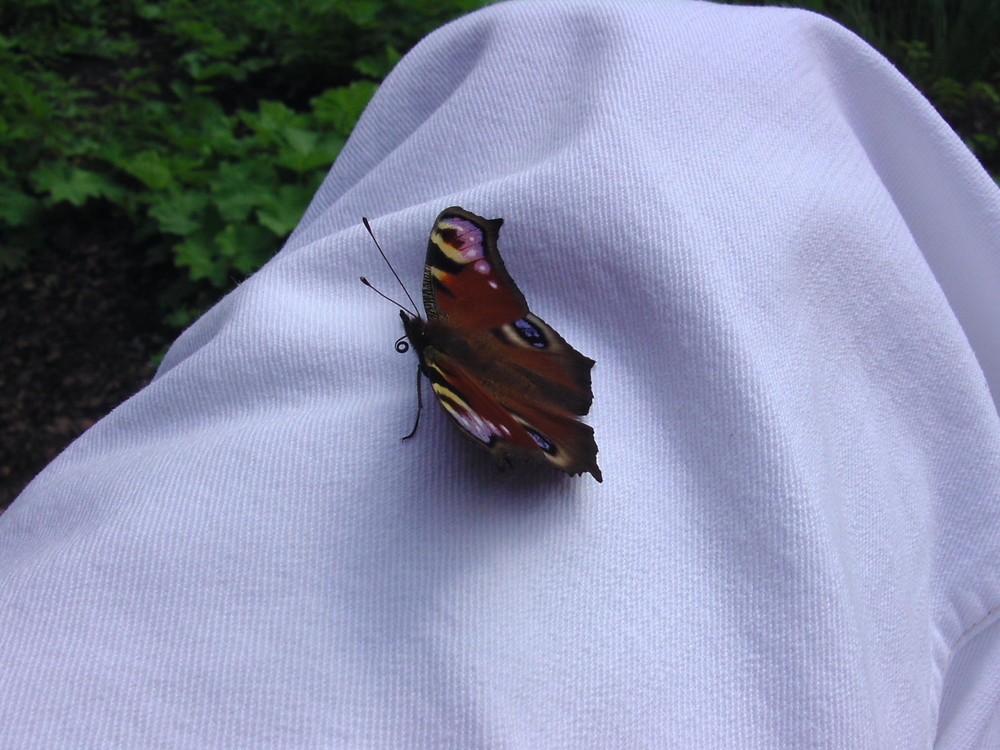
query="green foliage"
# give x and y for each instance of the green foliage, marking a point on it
(205, 126)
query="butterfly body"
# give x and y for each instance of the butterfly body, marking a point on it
(508, 380)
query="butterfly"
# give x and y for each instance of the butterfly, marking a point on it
(508, 381)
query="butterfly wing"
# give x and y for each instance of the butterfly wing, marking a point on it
(507, 423)
(465, 279)
(509, 380)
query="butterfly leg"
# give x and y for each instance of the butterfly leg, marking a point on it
(420, 408)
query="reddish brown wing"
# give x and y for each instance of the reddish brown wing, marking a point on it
(509, 381)
(465, 280)
(506, 424)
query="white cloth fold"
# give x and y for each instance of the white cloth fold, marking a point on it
(786, 267)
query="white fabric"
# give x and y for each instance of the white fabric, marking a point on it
(786, 267)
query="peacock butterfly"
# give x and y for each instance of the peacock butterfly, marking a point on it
(507, 379)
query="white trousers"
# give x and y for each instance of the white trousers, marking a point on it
(787, 268)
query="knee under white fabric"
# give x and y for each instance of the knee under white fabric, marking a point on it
(786, 267)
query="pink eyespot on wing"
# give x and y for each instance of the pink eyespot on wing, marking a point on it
(463, 238)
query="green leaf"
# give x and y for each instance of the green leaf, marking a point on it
(16, 208)
(361, 12)
(238, 188)
(984, 143)
(179, 213)
(271, 119)
(64, 182)
(149, 11)
(197, 254)
(300, 140)
(284, 208)
(180, 318)
(378, 66)
(340, 108)
(151, 169)
(247, 246)
(304, 150)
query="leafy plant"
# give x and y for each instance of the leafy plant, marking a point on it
(206, 126)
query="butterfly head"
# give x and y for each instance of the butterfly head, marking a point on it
(415, 329)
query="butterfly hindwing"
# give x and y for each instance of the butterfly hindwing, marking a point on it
(512, 426)
(508, 380)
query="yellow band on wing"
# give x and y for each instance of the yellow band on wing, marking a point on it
(442, 276)
(451, 252)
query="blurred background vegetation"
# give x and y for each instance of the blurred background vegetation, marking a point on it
(155, 152)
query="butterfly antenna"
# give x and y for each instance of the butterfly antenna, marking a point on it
(420, 408)
(368, 284)
(364, 220)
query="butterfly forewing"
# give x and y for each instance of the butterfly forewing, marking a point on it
(465, 280)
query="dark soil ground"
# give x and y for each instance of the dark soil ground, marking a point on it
(79, 330)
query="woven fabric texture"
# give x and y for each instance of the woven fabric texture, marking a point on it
(787, 269)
